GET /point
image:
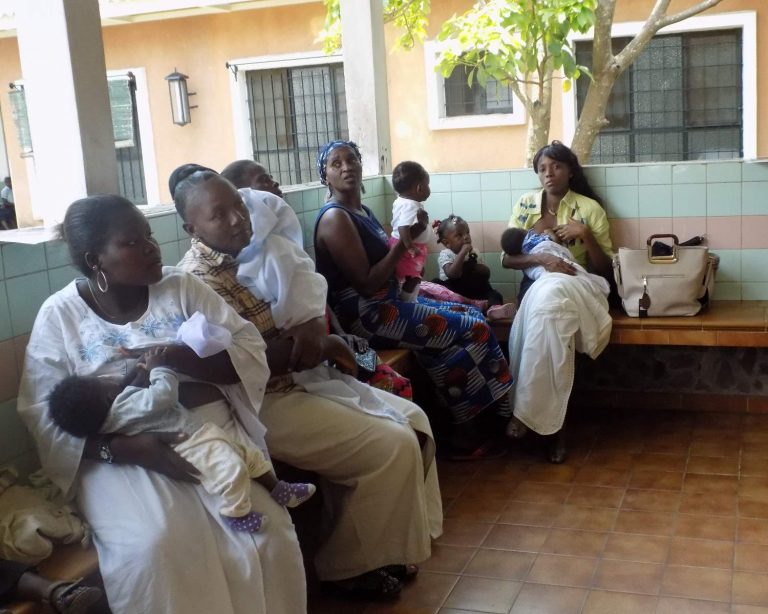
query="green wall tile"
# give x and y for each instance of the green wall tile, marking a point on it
(170, 253)
(373, 186)
(723, 172)
(622, 201)
(655, 200)
(439, 206)
(495, 181)
(61, 276)
(439, 182)
(295, 200)
(754, 198)
(20, 259)
(180, 232)
(689, 200)
(465, 182)
(185, 244)
(729, 268)
(496, 205)
(57, 254)
(25, 296)
(727, 291)
(723, 199)
(308, 227)
(754, 171)
(620, 175)
(689, 173)
(754, 291)
(753, 265)
(595, 175)
(6, 332)
(525, 179)
(468, 205)
(654, 174)
(164, 227)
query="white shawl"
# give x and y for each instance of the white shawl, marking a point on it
(559, 315)
(596, 283)
(274, 265)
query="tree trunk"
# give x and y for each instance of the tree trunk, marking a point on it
(540, 115)
(592, 118)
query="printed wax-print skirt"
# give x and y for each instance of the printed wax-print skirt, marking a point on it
(451, 341)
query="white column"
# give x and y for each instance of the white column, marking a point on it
(65, 85)
(365, 79)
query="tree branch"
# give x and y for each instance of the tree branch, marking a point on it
(602, 52)
(689, 12)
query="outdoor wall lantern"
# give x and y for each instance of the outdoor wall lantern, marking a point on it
(177, 85)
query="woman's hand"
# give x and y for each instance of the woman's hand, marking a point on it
(307, 350)
(356, 344)
(568, 233)
(553, 264)
(154, 452)
(338, 352)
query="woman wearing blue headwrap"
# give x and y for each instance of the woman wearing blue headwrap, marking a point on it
(453, 342)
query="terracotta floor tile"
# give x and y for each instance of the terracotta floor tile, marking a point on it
(516, 537)
(668, 445)
(751, 557)
(463, 533)
(562, 570)
(562, 474)
(484, 595)
(656, 480)
(752, 530)
(585, 518)
(710, 484)
(649, 523)
(505, 564)
(754, 465)
(754, 488)
(678, 605)
(697, 583)
(477, 509)
(641, 548)
(717, 504)
(615, 459)
(629, 577)
(701, 553)
(730, 449)
(753, 508)
(713, 464)
(661, 462)
(575, 543)
(651, 500)
(601, 476)
(526, 512)
(544, 599)
(602, 602)
(595, 496)
(750, 588)
(537, 492)
(706, 527)
(448, 559)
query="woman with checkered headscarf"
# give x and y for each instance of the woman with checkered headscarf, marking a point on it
(453, 342)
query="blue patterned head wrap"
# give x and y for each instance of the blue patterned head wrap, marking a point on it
(325, 151)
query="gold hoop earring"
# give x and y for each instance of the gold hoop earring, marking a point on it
(99, 277)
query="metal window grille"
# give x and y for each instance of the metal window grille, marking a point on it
(461, 99)
(125, 123)
(294, 111)
(680, 100)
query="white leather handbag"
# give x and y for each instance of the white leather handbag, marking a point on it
(678, 283)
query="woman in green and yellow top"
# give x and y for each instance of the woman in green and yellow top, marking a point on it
(567, 205)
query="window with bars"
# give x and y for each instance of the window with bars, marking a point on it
(680, 100)
(461, 99)
(292, 112)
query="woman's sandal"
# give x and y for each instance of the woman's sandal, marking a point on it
(516, 429)
(376, 585)
(557, 451)
(404, 573)
(73, 597)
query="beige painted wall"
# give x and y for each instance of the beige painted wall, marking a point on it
(200, 46)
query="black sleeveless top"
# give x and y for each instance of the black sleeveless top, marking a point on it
(372, 235)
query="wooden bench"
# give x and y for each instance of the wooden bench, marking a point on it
(722, 324)
(73, 562)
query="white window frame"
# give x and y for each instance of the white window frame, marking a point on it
(436, 100)
(746, 20)
(239, 90)
(149, 161)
